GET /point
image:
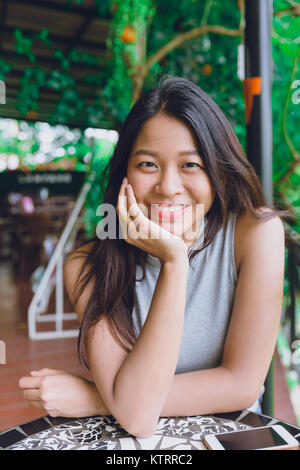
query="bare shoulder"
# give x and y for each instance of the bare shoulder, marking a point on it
(74, 262)
(252, 234)
(72, 270)
(79, 253)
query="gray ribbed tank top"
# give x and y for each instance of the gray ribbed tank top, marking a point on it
(211, 286)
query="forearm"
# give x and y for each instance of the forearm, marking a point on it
(196, 393)
(143, 381)
(205, 392)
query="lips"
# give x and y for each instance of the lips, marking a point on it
(158, 204)
(169, 207)
(166, 211)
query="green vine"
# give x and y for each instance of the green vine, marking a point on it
(23, 45)
(125, 56)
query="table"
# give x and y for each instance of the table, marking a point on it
(104, 432)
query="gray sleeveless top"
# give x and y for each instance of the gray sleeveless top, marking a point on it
(211, 285)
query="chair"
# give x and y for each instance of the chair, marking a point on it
(267, 405)
(30, 233)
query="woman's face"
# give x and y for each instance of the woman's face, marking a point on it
(165, 170)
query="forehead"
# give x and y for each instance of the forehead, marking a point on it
(165, 130)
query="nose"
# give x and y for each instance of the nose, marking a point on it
(169, 183)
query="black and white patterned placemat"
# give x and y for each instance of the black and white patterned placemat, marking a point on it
(104, 432)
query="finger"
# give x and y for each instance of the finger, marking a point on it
(133, 208)
(122, 211)
(122, 190)
(32, 394)
(140, 208)
(136, 214)
(146, 226)
(46, 371)
(36, 404)
(136, 224)
(30, 382)
(122, 201)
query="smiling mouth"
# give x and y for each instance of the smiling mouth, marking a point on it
(168, 212)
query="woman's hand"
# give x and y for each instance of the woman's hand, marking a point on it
(60, 393)
(142, 232)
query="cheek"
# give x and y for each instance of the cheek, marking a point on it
(203, 191)
(139, 184)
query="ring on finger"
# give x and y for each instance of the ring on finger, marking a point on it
(126, 217)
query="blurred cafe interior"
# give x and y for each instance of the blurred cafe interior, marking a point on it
(45, 189)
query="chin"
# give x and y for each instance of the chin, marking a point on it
(172, 228)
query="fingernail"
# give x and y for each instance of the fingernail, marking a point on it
(34, 372)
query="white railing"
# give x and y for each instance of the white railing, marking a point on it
(53, 277)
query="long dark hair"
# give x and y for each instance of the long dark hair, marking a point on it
(110, 265)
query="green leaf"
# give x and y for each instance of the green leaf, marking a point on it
(58, 54)
(295, 179)
(74, 56)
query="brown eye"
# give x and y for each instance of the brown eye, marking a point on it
(193, 163)
(142, 164)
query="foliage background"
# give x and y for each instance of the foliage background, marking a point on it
(210, 60)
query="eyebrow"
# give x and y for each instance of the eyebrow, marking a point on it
(156, 154)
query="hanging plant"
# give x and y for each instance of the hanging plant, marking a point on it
(64, 61)
(33, 78)
(5, 68)
(43, 36)
(23, 45)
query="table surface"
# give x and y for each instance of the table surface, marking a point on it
(104, 432)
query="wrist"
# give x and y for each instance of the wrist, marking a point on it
(180, 262)
(99, 407)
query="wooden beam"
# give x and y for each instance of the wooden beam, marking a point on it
(9, 111)
(79, 33)
(87, 93)
(44, 100)
(3, 13)
(96, 46)
(79, 71)
(61, 7)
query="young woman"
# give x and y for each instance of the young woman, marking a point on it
(179, 316)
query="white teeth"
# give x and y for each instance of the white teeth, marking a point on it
(169, 209)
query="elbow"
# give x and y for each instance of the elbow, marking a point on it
(250, 399)
(244, 391)
(247, 398)
(244, 402)
(138, 428)
(141, 433)
(134, 417)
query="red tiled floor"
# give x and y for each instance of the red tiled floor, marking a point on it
(24, 355)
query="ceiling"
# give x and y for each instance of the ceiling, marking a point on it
(70, 26)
